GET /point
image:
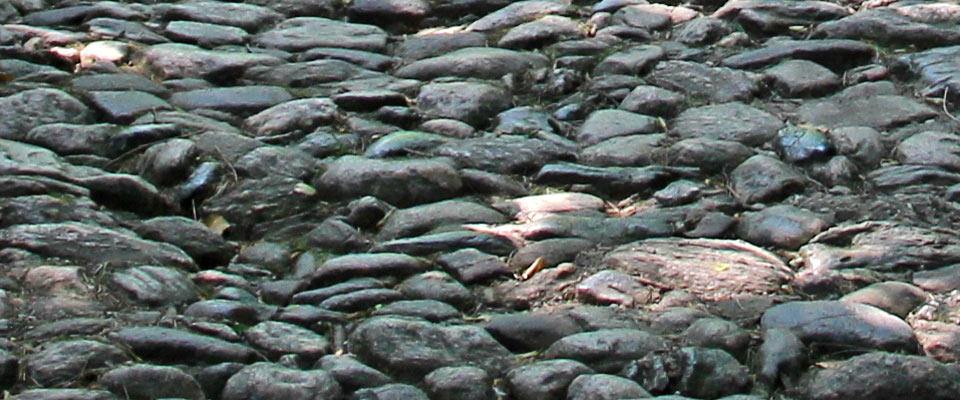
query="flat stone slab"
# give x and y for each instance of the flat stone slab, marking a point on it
(29, 109)
(178, 60)
(93, 245)
(401, 183)
(473, 62)
(735, 122)
(888, 27)
(937, 69)
(710, 269)
(244, 100)
(304, 33)
(933, 148)
(836, 54)
(165, 345)
(874, 105)
(882, 376)
(703, 83)
(124, 107)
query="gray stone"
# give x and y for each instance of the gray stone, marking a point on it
(777, 17)
(39, 209)
(508, 154)
(472, 265)
(544, 380)
(417, 47)
(92, 244)
(473, 103)
(736, 122)
(459, 383)
(404, 143)
(718, 334)
(836, 54)
(632, 61)
(653, 100)
(123, 29)
(802, 78)
(783, 226)
(263, 381)
(525, 332)
(172, 346)
(64, 394)
(125, 107)
(304, 33)
(624, 151)
(350, 373)
(711, 373)
(392, 391)
(841, 325)
(606, 124)
(408, 348)
(267, 161)
(360, 300)
(388, 12)
(545, 30)
(118, 82)
(365, 59)
(204, 34)
(243, 100)
(257, 201)
(447, 241)
(515, 14)
(780, 358)
(763, 178)
(702, 31)
(430, 310)
(604, 387)
(66, 361)
(701, 83)
(154, 382)
(307, 74)
(709, 154)
(366, 265)
(402, 183)
(896, 298)
(276, 339)
(246, 16)
(931, 148)
(886, 26)
(29, 109)
(178, 60)
(861, 144)
(882, 376)
(202, 244)
(156, 286)
(606, 350)
(857, 105)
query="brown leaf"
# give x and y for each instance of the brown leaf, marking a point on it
(217, 223)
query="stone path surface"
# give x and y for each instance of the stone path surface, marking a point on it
(480, 199)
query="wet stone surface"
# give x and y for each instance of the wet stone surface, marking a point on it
(479, 199)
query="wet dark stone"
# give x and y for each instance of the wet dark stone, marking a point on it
(632, 61)
(202, 244)
(884, 25)
(509, 154)
(836, 54)
(472, 265)
(402, 183)
(242, 100)
(527, 332)
(172, 346)
(711, 374)
(802, 78)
